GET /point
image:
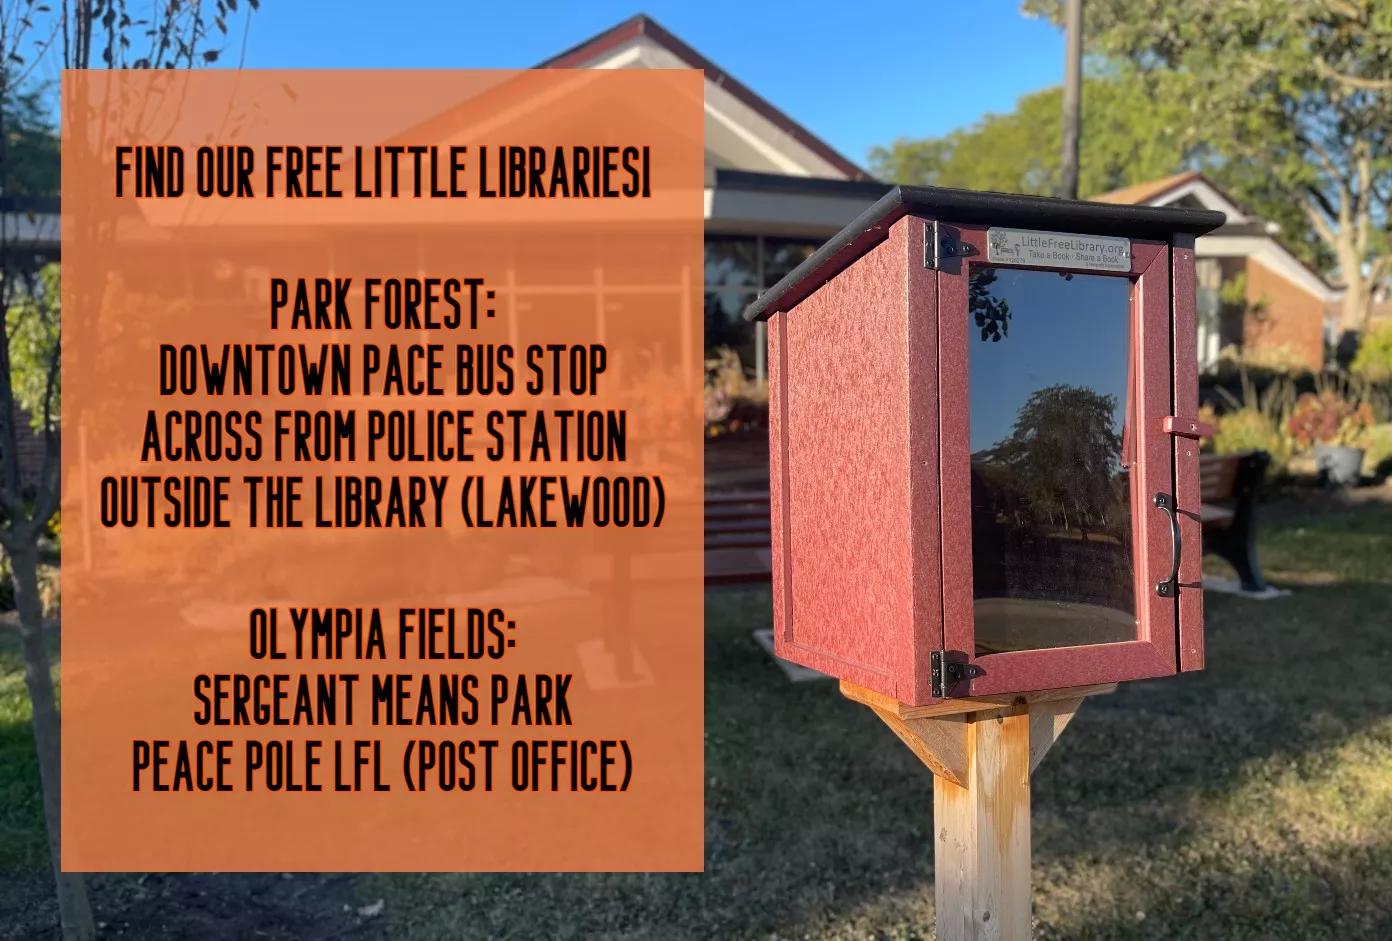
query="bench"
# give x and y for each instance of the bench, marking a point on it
(737, 523)
(738, 550)
(1228, 487)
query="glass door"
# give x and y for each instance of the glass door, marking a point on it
(1048, 367)
(1053, 451)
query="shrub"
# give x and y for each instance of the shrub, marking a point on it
(7, 601)
(1244, 430)
(50, 588)
(1377, 462)
(1208, 415)
(1249, 429)
(1329, 418)
(1374, 358)
(1357, 389)
(1257, 422)
(50, 591)
(733, 400)
(1282, 360)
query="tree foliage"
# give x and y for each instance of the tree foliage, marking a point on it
(991, 314)
(1062, 453)
(68, 34)
(1374, 359)
(33, 325)
(1126, 139)
(1296, 92)
(31, 142)
(1128, 136)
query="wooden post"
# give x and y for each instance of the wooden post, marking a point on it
(981, 752)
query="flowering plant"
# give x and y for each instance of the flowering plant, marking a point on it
(1329, 418)
(733, 400)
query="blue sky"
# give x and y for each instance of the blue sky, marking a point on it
(1048, 315)
(854, 75)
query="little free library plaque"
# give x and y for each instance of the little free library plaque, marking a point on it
(1058, 249)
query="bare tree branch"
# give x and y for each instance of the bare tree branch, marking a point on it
(1379, 268)
(1315, 205)
(1352, 81)
(1321, 201)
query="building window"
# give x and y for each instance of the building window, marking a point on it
(1332, 335)
(732, 282)
(737, 270)
(781, 256)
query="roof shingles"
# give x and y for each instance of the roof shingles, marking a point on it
(1141, 193)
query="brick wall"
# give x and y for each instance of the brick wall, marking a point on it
(1287, 316)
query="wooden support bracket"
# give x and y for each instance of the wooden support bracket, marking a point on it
(981, 752)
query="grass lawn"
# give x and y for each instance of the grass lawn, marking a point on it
(22, 844)
(1253, 800)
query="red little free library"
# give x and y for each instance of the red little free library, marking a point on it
(984, 452)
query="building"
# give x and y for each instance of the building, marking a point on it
(774, 191)
(1254, 294)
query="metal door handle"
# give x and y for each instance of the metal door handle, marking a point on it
(1169, 586)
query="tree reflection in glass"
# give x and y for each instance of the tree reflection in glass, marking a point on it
(1051, 522)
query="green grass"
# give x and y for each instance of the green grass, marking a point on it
(1250, 801)
(22, 844)
(1253, 800)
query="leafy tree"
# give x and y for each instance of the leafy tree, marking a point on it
(32, 322)
(1127, 138)
(1299, 91)
(69, 34)
(991, 314)
(31, 144)
(1062, 454)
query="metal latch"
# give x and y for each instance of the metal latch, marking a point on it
(941, 242)
(945, 673)
(1186, 427)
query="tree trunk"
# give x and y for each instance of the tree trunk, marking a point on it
(1353, 316)
(73, 907)
(1353, 309)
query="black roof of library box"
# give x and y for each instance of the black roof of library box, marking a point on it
(967, 207)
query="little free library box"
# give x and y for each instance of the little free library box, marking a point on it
(984, 452)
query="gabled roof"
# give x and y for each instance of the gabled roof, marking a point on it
(1190, 186)
(645, 27)
(1140, 194)
(1245, 234)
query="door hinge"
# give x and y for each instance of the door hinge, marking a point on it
(941, 242)
(947, 673)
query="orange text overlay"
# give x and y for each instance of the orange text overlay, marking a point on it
(382, 464)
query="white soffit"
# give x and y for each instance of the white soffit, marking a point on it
(812, 215)
(1208, 197)
(1271, 254)
(1264, 249)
